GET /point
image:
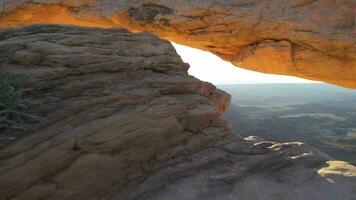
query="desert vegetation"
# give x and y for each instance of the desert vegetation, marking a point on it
(14, 116)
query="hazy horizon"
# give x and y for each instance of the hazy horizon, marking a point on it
(318, 114)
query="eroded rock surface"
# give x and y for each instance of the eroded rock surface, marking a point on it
(125, 121)
(313, 39)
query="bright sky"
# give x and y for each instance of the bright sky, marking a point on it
(208, 67)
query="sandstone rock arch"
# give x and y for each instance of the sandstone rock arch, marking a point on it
(125, 121)
(313, 39)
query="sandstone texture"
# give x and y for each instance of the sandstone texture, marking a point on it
(124, 121)
(313, 39)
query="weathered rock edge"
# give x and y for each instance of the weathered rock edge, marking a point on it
(125, 121)
(313, 39)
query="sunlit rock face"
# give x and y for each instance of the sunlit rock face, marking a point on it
(124, 121)
(305, 38)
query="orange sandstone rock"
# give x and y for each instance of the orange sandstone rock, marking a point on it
(304, 38)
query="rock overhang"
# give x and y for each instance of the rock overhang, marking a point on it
(308, 39)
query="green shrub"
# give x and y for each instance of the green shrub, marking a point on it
(11, 89)
(13, 115)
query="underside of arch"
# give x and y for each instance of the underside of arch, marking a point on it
(304, 38)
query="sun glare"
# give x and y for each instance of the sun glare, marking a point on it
(211, 68)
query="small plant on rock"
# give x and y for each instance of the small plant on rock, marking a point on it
(13, 115)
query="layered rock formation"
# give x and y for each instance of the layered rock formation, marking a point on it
(125, 121)
(305, 38)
